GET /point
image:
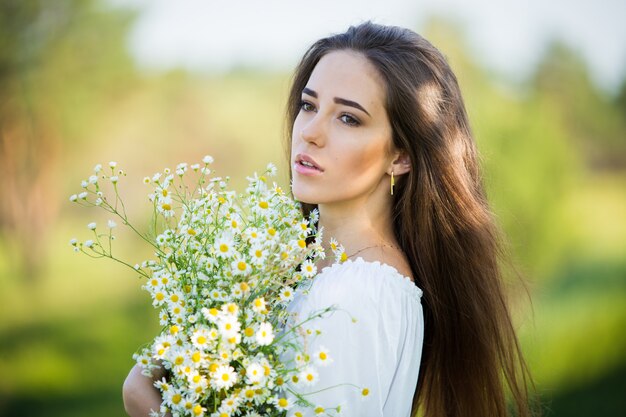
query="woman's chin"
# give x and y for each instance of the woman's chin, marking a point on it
(303, 196)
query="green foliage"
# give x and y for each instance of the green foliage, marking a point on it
(553, 154)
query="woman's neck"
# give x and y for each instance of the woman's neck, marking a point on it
(356, 228)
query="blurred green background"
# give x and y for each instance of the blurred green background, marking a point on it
(71, 96)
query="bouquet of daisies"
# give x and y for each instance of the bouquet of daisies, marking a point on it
(226, 267)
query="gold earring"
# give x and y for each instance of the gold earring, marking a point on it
(392, 182)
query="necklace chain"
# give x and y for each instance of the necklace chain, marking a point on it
(373, 246)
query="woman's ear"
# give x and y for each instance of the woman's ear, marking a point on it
(401, 164)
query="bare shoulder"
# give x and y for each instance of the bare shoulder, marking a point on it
(392, 257)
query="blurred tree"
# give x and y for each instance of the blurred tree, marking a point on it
(60, 63)
(527, 158)
(589, 116)
(620, 100)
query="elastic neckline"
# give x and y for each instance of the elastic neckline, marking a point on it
(404, 280)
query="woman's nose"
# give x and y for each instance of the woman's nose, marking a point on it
(313, 131)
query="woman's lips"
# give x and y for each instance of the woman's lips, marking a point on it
(306, 170)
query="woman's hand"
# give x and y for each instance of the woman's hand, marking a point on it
(139, 393)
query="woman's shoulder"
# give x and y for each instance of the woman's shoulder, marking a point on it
(361, 277)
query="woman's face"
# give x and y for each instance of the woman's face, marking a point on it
(343, 129)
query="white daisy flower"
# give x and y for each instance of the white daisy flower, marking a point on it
(164, 206)
(365, 393)
(229, 404)
(111, 224)
(240, 267)
(282, 403)
(271, 169)
(308, 269)
(265, 334)
(286, 294)
(211, 314)
(200, 338)
(258, 254)
(225, 377)
(258, 305)
(91, 226)
(230, 309)
(208, 159)
(296, 413)
(197, 410)
(322, 356)
(309, 376)
(229, 326)
(255, 373)
(252, 234)
(225, 246)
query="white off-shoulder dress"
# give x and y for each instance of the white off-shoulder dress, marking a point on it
(374, 338)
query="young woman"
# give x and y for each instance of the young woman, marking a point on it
(379, 142)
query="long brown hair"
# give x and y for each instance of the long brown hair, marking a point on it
(471, 358)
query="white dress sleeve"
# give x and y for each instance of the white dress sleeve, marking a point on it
(374, 339)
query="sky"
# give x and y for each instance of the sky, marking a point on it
(508, 35)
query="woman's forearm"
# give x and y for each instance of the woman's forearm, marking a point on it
(139, 394)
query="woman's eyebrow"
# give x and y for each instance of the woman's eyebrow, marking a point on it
(338, 100)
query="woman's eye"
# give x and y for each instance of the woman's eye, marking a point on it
(306, 106)
(349, 120)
